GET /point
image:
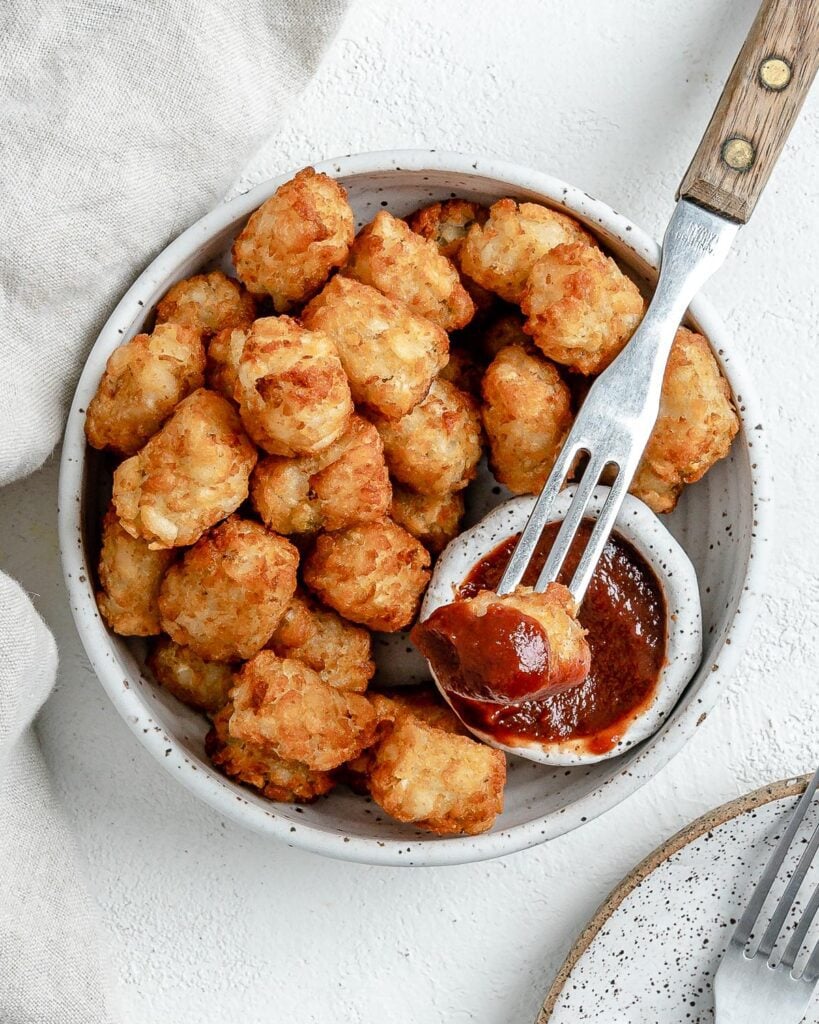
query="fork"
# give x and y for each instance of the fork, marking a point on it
(749, 988)
(730, 168)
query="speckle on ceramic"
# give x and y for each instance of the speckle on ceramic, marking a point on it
(653, 947)
(672, 567)
(722, 523)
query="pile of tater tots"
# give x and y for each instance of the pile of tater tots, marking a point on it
(292, 452)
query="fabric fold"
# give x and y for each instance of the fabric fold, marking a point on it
(122, 123)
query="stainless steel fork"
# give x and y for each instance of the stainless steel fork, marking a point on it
(749, 987)
(616, 419)
(758, 106)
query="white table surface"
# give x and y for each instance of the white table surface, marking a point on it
(209, 922)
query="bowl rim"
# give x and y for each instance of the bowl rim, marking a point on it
(221, 795)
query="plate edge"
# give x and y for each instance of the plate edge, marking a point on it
(792, 786)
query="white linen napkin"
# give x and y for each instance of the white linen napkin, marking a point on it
(122, 122)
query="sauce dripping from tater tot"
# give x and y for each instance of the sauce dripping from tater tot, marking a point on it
(624, 612)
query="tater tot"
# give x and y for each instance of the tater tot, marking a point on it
(354, 487)
(435, 448)
(447, 224)
(293, 395)
(293, 241)
(391, 257)
(389, 353)
(282, 705)
(224, 352)
(506, 330)
(208, 303)
(373, 574)
(526, 415)
(200, 684)
(284, 781)
(340, 652)
(440, 781)
(500, 254)
(432, 518)
(143, 382)
(229, 591)
(280, 493)
(544, 649)
(130, 574)
(695, 428)
(344, 484)
(581, 308)
(422, 702)
(191, 474)
(463, 371)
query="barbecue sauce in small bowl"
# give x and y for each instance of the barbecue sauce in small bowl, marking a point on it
(624, 612)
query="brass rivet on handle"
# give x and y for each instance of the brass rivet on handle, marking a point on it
(738, 153)
(775, 73)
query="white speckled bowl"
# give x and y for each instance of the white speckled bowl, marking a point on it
(672, 567)
(722, 523)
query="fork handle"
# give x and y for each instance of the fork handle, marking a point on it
(757, 108)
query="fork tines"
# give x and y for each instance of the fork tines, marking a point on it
(542, 514)
(748, 921)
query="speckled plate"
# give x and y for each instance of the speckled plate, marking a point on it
(651, 950)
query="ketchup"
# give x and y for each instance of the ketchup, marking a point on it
(624, 613)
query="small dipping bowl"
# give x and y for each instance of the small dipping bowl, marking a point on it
(641, 528)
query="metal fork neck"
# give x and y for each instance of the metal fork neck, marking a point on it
(694, 246)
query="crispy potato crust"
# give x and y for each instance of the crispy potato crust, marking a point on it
(293, 395)
(200, 684)
(391, 257)
(581, 308)
(423, 703)
(284, 781)
(464, 371)
(440, 781)
(506, 330)
(373, 574)
(144, 380)
(447, 224)
(500, 254)
(208, 303)
(227, 595)
(283, 706)
(335, 649)
(190, 475)
(130, 574)
(433, 518)
(342, 485)
(526, 415)
(224, 352)
(280, 493)
(389, 353)
(293, 241)
(695, 428)
(435, 448)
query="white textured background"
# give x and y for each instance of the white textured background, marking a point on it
(211, 923)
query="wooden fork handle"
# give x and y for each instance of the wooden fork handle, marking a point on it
(758, 106)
